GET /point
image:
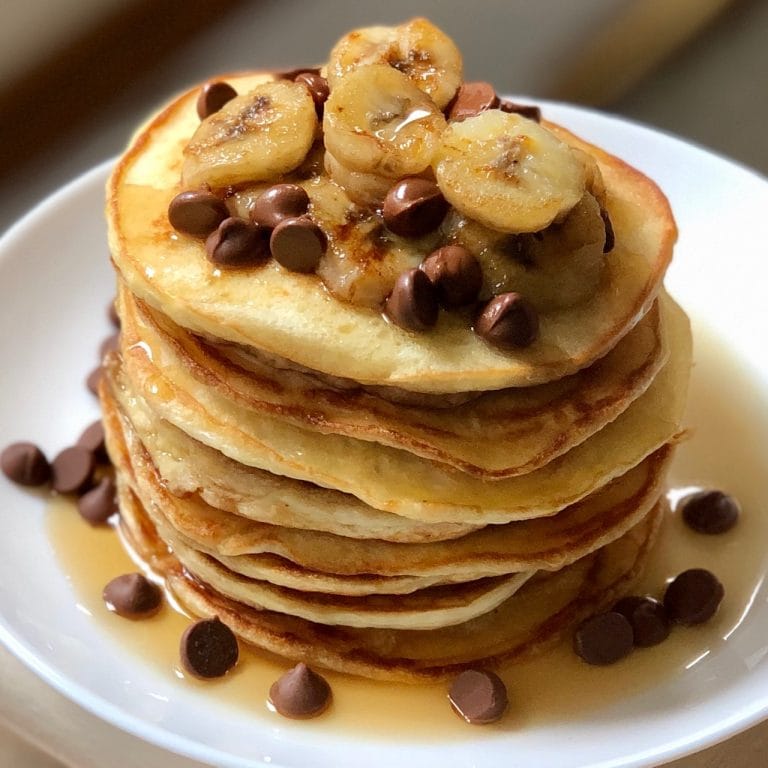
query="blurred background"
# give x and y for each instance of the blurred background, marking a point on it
(77, 75)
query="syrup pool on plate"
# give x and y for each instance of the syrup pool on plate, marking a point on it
(726, 449)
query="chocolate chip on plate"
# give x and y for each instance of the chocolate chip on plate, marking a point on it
(693, 597)
(710, 512)
(317, 86)
(648, 617)
(472, 99)
(93, 439)
(114, 318)
(300, 693)
(25, 464)
(100, 503)
(279, 202)
(455, 273)
(478, 696)
(297, 244)
(208, 648)
(196, 212)
(508, 321)
(237, 243)
(72, 470)
(414, 207)
(213, 96)
(413, 302)
(531, 112)
(133, 596)
(94, 379)
(603, 639)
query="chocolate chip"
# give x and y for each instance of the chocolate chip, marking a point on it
(236, 243)
(25, 464)
(300, 693)
(472, 99)
(508, 321)
(93, 440)
(531, 112)
(213, 96)
(110, 344)
(610, 237)
(196, 212)
(318, 88)
(603, 639)
(133, 596)
(72, 470)
(648, 617)
(455, 273)
(94, 379)
(693, 597)
(280, 202)
(100, 503)
(291, 74)
(298, 244)
(479, 697)
(208, 648)
(711, 512)
(414, 207)
(413, 302)
(114, 318)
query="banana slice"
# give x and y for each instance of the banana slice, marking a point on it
(377, 121)
(365, 189)
(254, 137)
(417, 48)
(508, 172)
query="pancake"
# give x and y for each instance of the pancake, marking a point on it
(292, 315)
(395, 481)
(500, 434)
(538, 615)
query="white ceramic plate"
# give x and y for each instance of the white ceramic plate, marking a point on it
(54, 281)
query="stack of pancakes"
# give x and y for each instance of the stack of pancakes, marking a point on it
(390, 504)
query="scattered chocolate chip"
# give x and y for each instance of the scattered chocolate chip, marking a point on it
(297, 244)
(208, 648)
(300, 693)
(236, 243)
(100, 503)
(414, 207)
(291, 74)
(280, 202)
(649, 620)
(603, 639)
(711, 512)
(455, 273)
(196, 212)
(93, 440)
(317, 86)
(94, 379)
(72, 470)
(413, 302)
(213, 96)
(610, 237)
(531, 112)
(693, 597)
(133, 596)
(472, 99)
(25, 464)
(479, 697)
(114, 318)
(110, 344)
(508, 321)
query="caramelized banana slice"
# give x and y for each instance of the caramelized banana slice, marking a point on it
(377, 121)
(255, 137)
(420, 50)
(508, 172)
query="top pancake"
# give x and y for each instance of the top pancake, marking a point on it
(294, 316)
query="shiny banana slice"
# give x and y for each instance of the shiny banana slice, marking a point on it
(255, 137)
(417, 48)
(365, 189)
(377, 121)
(508, 172)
